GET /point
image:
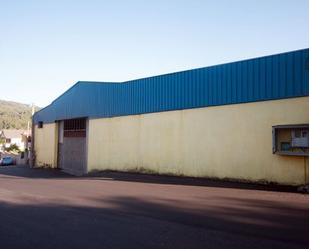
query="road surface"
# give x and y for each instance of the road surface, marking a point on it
(49, 209)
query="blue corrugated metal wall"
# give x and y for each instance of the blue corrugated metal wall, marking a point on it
(272, 77)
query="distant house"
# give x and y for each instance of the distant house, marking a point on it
(18, 137)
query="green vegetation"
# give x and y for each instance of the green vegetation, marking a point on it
(13, 148)
(14, 115)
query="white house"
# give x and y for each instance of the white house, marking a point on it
(18, 137)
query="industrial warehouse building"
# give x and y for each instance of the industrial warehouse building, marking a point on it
(246, 120)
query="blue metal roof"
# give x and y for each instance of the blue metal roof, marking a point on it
(272, 77)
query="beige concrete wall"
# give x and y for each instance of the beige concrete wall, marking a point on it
(45, 140)
(231, 141)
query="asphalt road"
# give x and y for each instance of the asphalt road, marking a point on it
(48, 209)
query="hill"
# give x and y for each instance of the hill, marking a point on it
(14, 115)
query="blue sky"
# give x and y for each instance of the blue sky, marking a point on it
(47, 46)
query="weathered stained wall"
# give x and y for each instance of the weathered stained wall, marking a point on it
(231, 141)
(45, 145)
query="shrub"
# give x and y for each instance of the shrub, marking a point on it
(13, 148)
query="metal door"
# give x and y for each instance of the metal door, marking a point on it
(72, 155)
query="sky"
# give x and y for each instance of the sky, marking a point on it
(47, 46)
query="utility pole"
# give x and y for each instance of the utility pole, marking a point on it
(32, 112)
(30, 131)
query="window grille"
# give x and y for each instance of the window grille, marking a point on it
(75, 127)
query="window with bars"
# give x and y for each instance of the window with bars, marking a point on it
(74, 127)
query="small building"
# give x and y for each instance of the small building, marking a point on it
(246, 120)
(17, 137)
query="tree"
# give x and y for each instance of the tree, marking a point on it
(13, 148)
(2, 142)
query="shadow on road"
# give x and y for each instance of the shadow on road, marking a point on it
(39, 173)
(127, 222)
(190, 181)
(25, 171)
